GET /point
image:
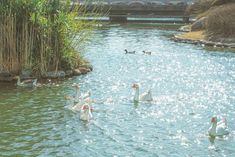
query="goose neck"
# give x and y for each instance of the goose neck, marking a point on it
(136, 97)
(212, 130)
(78, 93)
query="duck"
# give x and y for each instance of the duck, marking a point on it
(129, 52)
(146, 96)
(85, 113)
(147, 52)
(218, 128)
(26, 83)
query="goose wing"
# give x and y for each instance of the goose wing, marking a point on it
(147, 96)
(221, 131)
(222, 128)
(86, 95)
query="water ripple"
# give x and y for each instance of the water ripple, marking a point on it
(189, 85)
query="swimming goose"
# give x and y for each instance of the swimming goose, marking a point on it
(147, 96)
(218, 128)
(147, 52)
(85, 113)
(78, 100)
(129, 52)
(77, 106)
(77, 93)
(26, 83)
(78, 96)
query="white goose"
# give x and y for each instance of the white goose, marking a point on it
(85, 113)
(147, 96)
(78, 100)
(218, 129)
(78, 106)
(78, 96)
(77, 93)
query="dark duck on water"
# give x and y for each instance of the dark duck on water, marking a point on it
(129, 52)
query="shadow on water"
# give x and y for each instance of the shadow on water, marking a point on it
(7, 85)
(212, 140)
(136, 104)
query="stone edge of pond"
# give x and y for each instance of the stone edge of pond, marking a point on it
(55, 75)
(203, 42)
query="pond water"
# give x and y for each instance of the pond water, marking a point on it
(189, 84)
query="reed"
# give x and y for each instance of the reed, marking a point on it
(40, 35)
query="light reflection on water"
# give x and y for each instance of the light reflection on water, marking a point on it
(189, 84)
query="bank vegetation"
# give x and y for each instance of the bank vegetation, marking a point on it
(40, 35)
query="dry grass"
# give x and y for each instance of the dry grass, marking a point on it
(220, 25)
(198, 35)
(221, 21)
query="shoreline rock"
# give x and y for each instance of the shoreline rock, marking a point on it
(81, 70)
(54, 74)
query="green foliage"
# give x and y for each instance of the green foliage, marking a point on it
(45, 33)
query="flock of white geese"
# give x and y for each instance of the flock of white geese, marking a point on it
(82, 103)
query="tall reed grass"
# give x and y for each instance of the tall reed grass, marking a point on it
(39, 35)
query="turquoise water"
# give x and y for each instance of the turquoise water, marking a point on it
(189, 84)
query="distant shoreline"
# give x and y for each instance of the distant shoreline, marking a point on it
(198, 37)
